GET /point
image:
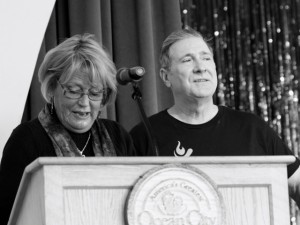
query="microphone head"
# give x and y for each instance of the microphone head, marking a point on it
(137, 71)
(126, 75)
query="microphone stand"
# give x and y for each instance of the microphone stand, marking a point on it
(137, 96)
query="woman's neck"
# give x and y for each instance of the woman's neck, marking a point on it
(80, 139)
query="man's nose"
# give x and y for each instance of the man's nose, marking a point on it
(199, 66)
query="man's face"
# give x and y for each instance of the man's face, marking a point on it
(192, 73)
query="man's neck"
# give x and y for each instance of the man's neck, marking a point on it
(193, 113)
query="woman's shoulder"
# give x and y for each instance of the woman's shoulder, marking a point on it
(28, 134)
(26, 141)
(114, 127)
(120, 137)
(111, 124)
(27, 129)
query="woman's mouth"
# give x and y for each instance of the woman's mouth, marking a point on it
(82, 114)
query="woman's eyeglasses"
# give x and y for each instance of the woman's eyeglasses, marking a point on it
(92, 95)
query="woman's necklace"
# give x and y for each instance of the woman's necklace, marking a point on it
(81, 151)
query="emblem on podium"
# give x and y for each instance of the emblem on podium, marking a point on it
(175, 195)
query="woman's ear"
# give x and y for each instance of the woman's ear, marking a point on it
(164, 75)
(106, 96)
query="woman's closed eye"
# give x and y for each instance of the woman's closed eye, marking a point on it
(75, 92)
(95, 93)
(74, 89)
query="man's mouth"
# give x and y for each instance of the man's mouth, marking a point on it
(200, 80)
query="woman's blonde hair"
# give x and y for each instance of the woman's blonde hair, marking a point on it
(78, 54)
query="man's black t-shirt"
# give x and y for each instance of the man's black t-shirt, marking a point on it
(229, 133)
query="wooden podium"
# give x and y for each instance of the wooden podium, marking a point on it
(94, 191)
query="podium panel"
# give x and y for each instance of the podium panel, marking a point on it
(100, 191)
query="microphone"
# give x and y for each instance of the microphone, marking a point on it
(126, 75)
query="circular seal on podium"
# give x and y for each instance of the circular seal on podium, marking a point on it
(177, 195)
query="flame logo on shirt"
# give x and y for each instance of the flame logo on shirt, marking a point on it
(181, 152)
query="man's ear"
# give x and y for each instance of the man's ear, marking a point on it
(164, 75)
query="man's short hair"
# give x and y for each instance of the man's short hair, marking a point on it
(178, 35)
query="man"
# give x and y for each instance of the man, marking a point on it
(194, 125)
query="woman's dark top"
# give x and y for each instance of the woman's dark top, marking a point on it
(29, 141)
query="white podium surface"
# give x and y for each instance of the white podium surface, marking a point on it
(77, 191)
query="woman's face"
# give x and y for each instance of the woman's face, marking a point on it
(76, 115)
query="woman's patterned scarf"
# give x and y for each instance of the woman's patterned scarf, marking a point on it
(63, 143)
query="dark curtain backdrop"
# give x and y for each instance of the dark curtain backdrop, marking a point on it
(132, 31)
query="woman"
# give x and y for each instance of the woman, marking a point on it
(77, 80)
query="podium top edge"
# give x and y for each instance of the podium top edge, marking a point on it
(162, 160)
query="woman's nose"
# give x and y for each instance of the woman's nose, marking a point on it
(84, 100)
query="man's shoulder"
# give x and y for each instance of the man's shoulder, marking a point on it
(155, 120)
(245, 119)
(239, 114)
(159, 116)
